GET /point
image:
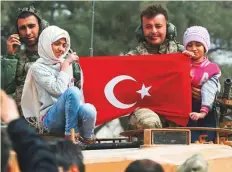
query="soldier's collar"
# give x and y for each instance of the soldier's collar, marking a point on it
(162, 48)
(30, 53)
(151, 48)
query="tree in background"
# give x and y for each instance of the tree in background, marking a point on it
(116, 21)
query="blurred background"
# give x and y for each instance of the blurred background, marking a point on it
(115, 23)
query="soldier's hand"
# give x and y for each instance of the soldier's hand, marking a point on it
(188, 53)
(13, 44)
(9, 111)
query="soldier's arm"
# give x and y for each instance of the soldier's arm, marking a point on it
(20, 73)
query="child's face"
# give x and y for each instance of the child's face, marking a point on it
(59, 47)
(197, 48)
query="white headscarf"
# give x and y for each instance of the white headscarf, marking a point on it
(30, 102)
(48, 36)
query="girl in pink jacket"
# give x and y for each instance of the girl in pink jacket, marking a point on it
(204, 76)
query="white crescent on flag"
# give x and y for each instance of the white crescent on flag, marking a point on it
(109, 92)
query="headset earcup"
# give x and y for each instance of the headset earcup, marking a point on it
(171, 31)
(167, 31)
(139, 33)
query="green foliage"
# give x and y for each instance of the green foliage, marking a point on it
(215, 16)
(116, 21)
(226, 72)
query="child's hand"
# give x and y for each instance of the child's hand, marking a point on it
(188, 53)
(73, 58)
(195, 115)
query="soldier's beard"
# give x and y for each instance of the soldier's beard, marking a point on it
(29, 43)
(150, 40)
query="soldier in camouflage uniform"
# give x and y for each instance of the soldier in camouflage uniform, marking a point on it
(23, 46)
(156, 36)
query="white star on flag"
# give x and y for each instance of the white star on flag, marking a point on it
(144, 91)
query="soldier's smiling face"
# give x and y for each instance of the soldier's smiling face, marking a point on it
(28, 30)
(154, 29)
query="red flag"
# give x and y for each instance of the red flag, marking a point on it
(116, 85)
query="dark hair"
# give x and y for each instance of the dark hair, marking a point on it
(153, 10)
(26, 14)
(144, 165)
(5, 150)
(67, 154)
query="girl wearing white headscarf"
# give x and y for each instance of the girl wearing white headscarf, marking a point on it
(50, 81)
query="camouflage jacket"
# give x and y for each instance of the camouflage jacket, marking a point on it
(25, 60)
(167, 47)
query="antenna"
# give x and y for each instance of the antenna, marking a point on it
(92, 29)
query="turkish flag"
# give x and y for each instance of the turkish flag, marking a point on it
(116, 85)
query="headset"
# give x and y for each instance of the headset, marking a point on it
(171, 33)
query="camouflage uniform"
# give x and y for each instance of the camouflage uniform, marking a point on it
(142, 120)
(167, 47)
(25, 60)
